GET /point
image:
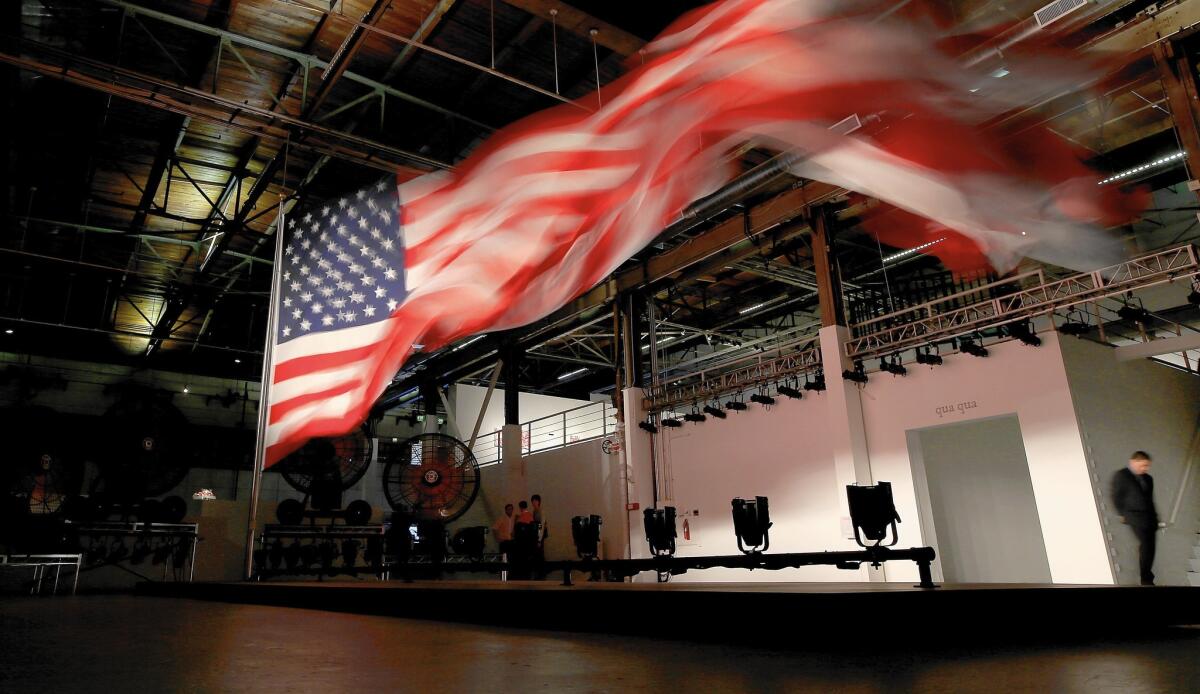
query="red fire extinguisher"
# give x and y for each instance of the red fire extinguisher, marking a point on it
(687, 530)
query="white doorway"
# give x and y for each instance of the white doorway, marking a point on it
(976, 502)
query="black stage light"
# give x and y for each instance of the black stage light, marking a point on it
(856, 376)
(817, 384)
(1023, 331)
(789, 392)
(762, 399)
(872, 512)
(161, 553)
(470, 541)
(892, 366)
(1075, 328)
(971, 347)
(1137, 314)
(328, 552)
(118, 551)
(349, 553)
(274, 555)
(585, 532)
(736, 405)
(660, 530)
(718, 413)
(1194, 297)
(929, 358)
(694, 417)
(648, 426)
(141, 550)
(669, 422)
(292, 556)
(308, 555)
(751, 521)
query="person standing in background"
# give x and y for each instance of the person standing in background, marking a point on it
(503, 530)
(1133, 498)
(524, 543)
(539, 521)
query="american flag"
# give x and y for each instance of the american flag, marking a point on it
(342, 277)
(552, 204)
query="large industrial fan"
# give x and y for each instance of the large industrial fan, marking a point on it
(45, 472)
(322, 469)
(144, 451)
(431, 477)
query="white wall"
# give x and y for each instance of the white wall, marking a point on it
(467, 400)
(577, 480)
(1028, 381)
(780, 453)
(784, 454)
(1138, 405)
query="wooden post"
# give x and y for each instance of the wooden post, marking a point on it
(829, 290)
(1183, 98)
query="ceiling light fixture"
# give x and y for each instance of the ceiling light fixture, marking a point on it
(1138, 169)
(901, 254)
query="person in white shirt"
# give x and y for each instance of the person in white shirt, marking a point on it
(503, 530)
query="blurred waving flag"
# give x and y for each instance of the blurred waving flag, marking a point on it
(552, 204)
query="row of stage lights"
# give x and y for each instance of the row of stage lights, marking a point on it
(701, 414)
(1077, 323)
(929, 356)
(1023, 331)
(872, 514)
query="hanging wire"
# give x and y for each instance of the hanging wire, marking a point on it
(887, 285)
(596, 62)
(554, 40)
(492, 19)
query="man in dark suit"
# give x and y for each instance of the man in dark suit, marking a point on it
(1133, 497)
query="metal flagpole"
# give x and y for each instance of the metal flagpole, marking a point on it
(265, 387)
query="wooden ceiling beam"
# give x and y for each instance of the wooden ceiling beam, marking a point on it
(579, 22)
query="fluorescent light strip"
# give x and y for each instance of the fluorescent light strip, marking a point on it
(768, 302)
(646, 348)
(473, 339)
(1138, 169)
(897, 256)
(570, 374)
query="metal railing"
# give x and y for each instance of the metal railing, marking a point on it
(1029, 294)
(579, 424)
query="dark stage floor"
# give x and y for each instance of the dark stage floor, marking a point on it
(143, 644)
(721, 611)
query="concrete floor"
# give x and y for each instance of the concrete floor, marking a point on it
(140, 644)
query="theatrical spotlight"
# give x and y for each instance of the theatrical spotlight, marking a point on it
(694, 417)
(648, 426)
(1074, 328)
(585, 532)
(872, 512)
(817, 384)
(858, 375)
(715, 411)
(735, 405)
(660, 530)
(789, 392)
(967, 346)
(669, 422)
(1136, 314)
(1023, 331)
(892, 366)
(929, 357)
(762, 399)
(751, 521)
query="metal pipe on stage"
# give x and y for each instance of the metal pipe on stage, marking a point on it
(922, 556)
